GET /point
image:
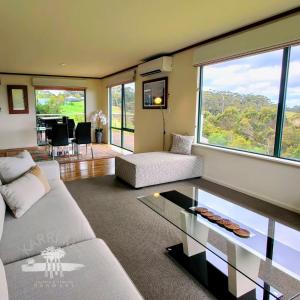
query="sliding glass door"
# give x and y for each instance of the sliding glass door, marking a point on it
(122, 105)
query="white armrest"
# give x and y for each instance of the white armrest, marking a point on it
(50, 168)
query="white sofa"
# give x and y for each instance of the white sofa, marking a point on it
(57, 221)
(151, 168)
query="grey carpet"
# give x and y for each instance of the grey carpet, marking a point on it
(138, 236)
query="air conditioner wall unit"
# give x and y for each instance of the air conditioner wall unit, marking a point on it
(158, 65)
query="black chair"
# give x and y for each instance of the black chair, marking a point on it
(65, 119)
(71, 125)
(49, 124)
(71, 128)
(59, 137)
(83, 136)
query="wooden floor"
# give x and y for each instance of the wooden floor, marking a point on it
(87, 169)
(92, 168)
(75, 170)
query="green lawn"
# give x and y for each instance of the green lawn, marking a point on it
(74, 110)
(116, 118)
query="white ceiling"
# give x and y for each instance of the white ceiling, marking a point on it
(98, 37)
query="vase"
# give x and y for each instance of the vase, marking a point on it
(98, 135)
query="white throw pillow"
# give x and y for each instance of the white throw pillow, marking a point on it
(3, 283)
(182, 144)
(2, 214)
(22, 193)
(13, 167)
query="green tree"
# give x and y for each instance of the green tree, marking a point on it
(247, 121)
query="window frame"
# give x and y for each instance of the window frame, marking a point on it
(123, 115)
(280, 109)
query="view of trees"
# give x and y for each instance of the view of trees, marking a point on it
(247, 122)
(61, 102)
(129, 106)
(128, 115)
(116, 105)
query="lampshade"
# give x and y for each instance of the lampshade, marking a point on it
(157, 100)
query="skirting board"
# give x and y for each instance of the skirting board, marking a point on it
(249, 193)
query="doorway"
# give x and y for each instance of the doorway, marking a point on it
(122, 107)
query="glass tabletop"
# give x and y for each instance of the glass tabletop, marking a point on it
(259, 256)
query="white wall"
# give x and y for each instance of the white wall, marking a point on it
(93, 96)
(104, 106)
(17, 131)
(266, 179)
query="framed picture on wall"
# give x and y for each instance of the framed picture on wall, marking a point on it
(155, 93)
(17, 99)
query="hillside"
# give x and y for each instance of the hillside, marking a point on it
(248, 122)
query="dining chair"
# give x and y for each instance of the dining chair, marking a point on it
(65, 119)
(83, 136)
(49, 124)
(71, 128)
(59, 137)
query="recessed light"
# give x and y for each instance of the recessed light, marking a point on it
(62, 64)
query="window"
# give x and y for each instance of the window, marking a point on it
(54, 104)
(116, 115)
(59, 103)
(122, 106)
(242, 103)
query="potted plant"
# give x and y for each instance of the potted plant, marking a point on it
(99, 120)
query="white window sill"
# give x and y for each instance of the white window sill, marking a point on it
(249, 154)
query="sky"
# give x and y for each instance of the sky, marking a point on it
(256, 74)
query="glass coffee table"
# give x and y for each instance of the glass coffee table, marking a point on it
(234, 252)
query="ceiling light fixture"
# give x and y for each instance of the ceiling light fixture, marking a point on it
(62, 64)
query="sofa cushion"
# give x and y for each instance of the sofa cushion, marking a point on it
(2, 214)
(98, 275)
(55, 220)
(50, 169)
(3, 283)
(182, 144)
(13, 167)
(23, 192)
(144, 169)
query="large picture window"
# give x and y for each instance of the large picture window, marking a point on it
(252, 103)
